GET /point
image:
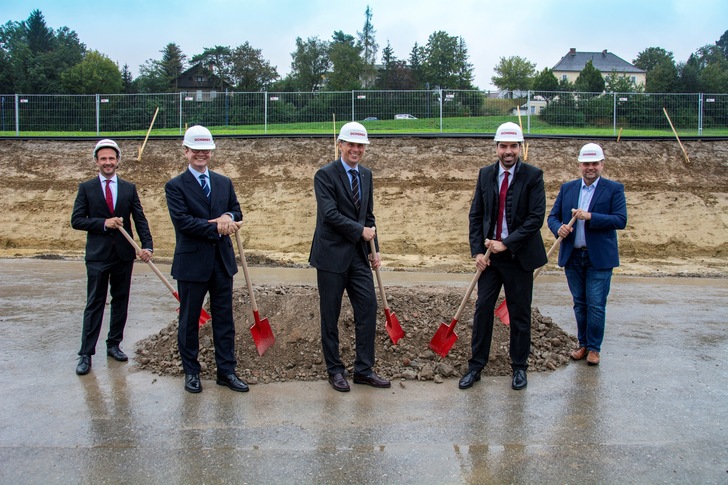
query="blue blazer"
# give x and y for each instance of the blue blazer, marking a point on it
(608, 208)
(197, 239)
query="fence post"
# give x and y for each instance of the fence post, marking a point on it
(17, 115)
(614, 113)
(700, 114)
(528, 111)
(180, 111)
(98, 115)
(440, 89)
(352, 105)
(265, 112)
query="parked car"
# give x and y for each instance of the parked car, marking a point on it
(404, 117)
(371, 118)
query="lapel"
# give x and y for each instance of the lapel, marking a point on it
(517, 185)
(598, 192)
(195, 188)
(344, 178)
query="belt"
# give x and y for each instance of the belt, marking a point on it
(581, 248)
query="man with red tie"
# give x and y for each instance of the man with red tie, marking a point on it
(506, 216)
(103, 205)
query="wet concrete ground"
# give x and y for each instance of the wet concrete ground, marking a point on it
(654, 411)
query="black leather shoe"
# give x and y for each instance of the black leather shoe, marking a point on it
(84, 365)
(338, 382)
(467, 381)
(371, 380)
(116, 353)
(192, 383)
(233, 382)
(519, 379)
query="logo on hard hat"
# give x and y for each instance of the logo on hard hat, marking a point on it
(587, 154)
(357, 133)
(509, 133)
(201, 139)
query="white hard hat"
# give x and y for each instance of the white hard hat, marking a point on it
(198, 138)
(591, 152)
(354, 132)
(106, 143)
(509, 132)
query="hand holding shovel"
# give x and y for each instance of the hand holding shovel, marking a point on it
(204, 316)
(394, 329)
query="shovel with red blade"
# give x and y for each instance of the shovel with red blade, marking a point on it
(502, 310)
(445, 337)
(394, 329)
(204, 316)
(260, 330)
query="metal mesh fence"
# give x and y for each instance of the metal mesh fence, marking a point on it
(438, 110)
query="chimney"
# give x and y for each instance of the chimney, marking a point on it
(604, 53)
(572, 51)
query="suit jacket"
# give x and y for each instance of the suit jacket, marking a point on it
(90, 212)
(338, 224)
(525, 217)
(608, 208)
(197, 239)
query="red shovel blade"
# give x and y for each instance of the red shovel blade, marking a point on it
(444, 339)
(204, 316)
(394, 329)
(502, 313)
(262, 334)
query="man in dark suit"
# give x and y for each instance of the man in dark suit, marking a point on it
(342, 258)
(205, 212)
(589, 251)
(506, 216)
(104, 204)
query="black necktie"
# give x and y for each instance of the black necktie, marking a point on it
(355, 187)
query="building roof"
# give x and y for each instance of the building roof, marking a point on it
(604, 61)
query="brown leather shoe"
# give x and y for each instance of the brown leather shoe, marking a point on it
(338, 382)
(592, 358)
(579, 353)
(371, 380)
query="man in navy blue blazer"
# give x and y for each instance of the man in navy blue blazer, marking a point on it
(205, 212)
(103, 205)
(589, 252)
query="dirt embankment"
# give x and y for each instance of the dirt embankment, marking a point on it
(678, 212)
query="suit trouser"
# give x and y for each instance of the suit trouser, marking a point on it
(359, 285)
(503, 271)
(111, 276)
(192, 296)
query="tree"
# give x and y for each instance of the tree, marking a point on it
(250, 71)
(95, 74)
(218, 60)
(310, 63)
(689, 76)
(722, 44)
(649, 58)
(369, 47)
(151, 79)
(445, 62)
(172, 64)
(416, 61)
(394, 75)
(662, 78)
(127, 81)
(546, 83)
(590, 80)
(513, 73)
(348, 65)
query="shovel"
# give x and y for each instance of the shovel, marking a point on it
(260, 330)
(204, 316)
(445, 337)
(394, 329)
(502, 311)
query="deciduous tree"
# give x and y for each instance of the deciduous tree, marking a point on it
(310, 63)
(250, 71)
(590, 80)
(513, 73)
(95, 74)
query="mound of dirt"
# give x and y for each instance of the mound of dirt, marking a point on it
(296, 355)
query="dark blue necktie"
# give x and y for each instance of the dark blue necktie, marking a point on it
(205, 187)
(355, 188)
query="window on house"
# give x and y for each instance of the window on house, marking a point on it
(200, 79)
(563, 77)
(634, 79)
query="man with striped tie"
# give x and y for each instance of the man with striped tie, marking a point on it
(340, 253)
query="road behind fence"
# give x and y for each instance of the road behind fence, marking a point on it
(426, 111)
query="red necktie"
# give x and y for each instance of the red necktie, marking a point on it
(109, 197)
(501, 206)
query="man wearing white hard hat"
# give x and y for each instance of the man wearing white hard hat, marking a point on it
(506, 216)
(103, 205)
(205, 212)
(589, 252)
(342, 258)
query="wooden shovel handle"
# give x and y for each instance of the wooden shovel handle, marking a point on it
(553, 248)
(245, 271)
(473, 282)
(151, 265)
(373, 249)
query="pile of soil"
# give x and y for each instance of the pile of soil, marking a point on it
(293, 312)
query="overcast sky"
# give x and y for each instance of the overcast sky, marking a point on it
(542, 31)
